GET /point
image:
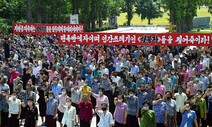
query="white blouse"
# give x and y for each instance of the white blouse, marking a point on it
(105, 120)
(69, 116)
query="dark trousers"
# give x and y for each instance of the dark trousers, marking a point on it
(179, 118)
(60, 116)
(119, 124)
(11, 87)
(85, 123)
(50, 121)
(97, 119)
(204, 122)
(4, 119)
(160, 125)
(13, 121)
(132, 121)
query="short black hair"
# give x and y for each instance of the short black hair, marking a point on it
(187, 102)
(121, 96)
(146, 102)
(131, 90)
(30, 99)
(169, 93)
(103, 90)
(159, 94)
(199, 91)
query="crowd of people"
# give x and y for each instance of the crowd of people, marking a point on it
(122, 86)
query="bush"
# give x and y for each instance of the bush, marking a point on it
(198, 30)
(4, 27)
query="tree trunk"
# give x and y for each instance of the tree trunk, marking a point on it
(39, 11)
(59, 10)
(93, 26)
(29, 12)
(149, 21)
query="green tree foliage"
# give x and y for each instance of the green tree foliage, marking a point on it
(181, 13)
(12, 10)
(128, 7)
(148, 9)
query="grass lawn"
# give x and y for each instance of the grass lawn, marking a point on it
(203, 12)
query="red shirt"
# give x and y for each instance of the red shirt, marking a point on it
(85, 112)
(14, 75)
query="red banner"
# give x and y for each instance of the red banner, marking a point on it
(159, 39)
(27, 28)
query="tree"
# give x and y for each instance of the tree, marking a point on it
(181, 13)
(148, 9)
(128, 7)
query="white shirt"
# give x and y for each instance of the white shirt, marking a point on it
(105, 120)
(40, 63)
(152, 64)
(180, 100)
(14, 106)
(104, 71)
(69, 116)
(15, 57)
(116, 79)
(206, 62)
(35, 70)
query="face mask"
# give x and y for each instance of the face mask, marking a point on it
(168, 98)
(85, 84)
(131, 95)
(142, 90)
(188, 108)
(146, 108)
(95, 80)
(104, 109)
(120, 100)
(180, 91)
(63, 92)
(50, 97)
(100, 92)
(193, 100)
(199, 96)
(13, 97)
(4, 94)
(29, 103)
(68, 103)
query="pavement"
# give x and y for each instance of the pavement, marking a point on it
(139, 29)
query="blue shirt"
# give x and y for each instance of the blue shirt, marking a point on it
(134, 70)
(133, 105)
(160, 110)
(89, 78)
(174, 79)
(188, 118)
(141, 98)
(205, 81)
(95, 87)
(51, 105)
(3, 104)
(56, 89)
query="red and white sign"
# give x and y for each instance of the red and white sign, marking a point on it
(28, 28)
(160, 39)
